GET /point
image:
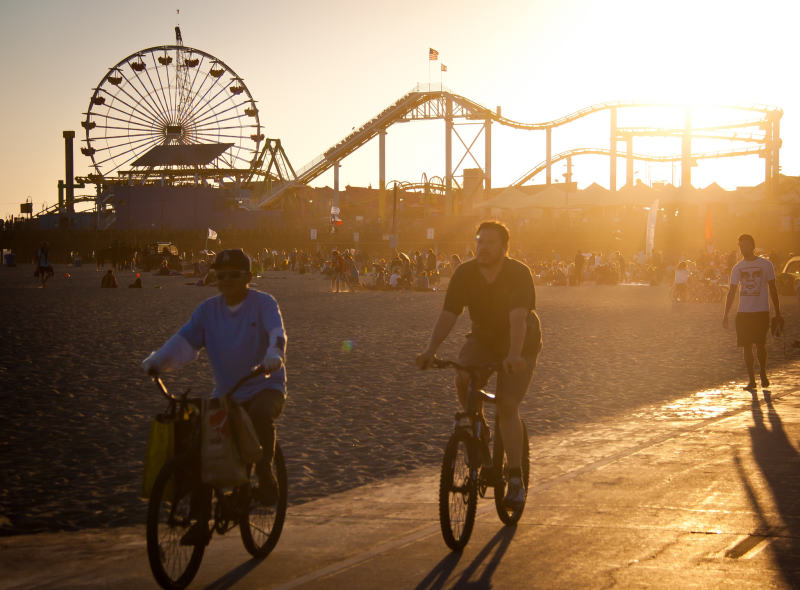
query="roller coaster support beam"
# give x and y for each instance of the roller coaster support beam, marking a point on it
(629, 161)
(336, 183)
(382, 175)
(448, 155)
(549, 155)
(612, 182)
(686, 151)
(487, 159)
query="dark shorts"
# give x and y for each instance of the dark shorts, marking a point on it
(511, 388)
(265, 406)
(752, 328)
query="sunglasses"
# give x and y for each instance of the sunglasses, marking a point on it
(229, 274)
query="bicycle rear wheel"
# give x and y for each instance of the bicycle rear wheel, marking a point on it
(168, 519)
(509, 517)
(261, 525)
(458, 490)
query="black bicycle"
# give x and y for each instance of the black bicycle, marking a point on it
(172, 510)
(472, 465)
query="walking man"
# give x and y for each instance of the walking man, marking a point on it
(756, 276)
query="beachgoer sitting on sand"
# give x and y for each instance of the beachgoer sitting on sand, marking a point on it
(137, 283)
(109, 281)
(240, 329)
(501, 298)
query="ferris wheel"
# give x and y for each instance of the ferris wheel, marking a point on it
(171, 96)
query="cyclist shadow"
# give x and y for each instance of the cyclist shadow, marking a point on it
(493, 551)
(779, 462)
(236, 575)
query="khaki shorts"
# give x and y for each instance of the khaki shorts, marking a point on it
(511, 388)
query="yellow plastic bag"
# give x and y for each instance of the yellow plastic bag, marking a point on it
(160, 449)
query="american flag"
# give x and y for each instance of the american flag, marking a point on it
(444, 68)
(433, 55)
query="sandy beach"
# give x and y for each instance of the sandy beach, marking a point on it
(76, 406)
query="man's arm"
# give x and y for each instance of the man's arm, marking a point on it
(776, 301)
(728, 302)
(445, 323)
(518, 328)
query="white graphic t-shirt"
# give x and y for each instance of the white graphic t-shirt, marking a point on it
(752, 276)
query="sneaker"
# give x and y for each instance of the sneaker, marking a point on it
(196, 535)
(764, 380)
(750, 386)
(515, 495)
(267, 491)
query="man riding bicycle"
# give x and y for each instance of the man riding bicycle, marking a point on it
(240, 329)
(500, 296)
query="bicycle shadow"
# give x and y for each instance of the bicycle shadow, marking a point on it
(493, 551)
(233, 577)
(779, 462)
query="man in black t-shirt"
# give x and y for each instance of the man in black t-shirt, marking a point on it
(500, 296)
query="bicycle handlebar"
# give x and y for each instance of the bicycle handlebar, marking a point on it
(438, 363)
(259, 370)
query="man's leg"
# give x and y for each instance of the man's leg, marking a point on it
(511, 430)
(264, 409)
(761, 352)
(511, 389)
(749, 362)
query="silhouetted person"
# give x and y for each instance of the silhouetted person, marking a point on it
(757, 277)
(44, 270)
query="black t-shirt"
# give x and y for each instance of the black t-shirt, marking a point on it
(490, 303)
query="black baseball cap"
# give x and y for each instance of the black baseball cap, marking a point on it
(232, 259)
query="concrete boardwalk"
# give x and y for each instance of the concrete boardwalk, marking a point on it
(701, 492)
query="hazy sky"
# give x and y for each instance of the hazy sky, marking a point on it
(320, 68)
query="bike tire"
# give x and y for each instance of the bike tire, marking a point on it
(458, 490)
(509, 517)
(174, 566)
(261, 526)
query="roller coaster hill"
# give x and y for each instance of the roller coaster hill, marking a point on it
(176, 145)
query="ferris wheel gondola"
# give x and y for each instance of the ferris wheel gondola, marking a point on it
(171, 95)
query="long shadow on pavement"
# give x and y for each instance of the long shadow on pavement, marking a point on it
(494, 550)
(779, 462)
(230, 579)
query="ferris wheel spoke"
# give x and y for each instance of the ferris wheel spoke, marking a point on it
(147, 98)
(190, 91)
(147, 108)
(213, 117)
(134, 151)
(124, 128)
(130, 135)
(144, 116)
(199, 99)
(203, 107)
(118, 149)
(219, 135)
(157, 88)
(131, 113)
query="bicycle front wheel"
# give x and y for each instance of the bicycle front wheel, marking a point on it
(168, 519)
(458, 490)
(509, 517)
(261, 525)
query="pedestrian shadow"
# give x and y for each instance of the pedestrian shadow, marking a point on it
(492, 553)
(234, 576)
(779, 462)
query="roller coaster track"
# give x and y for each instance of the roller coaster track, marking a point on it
(541, 166)
(420, 104)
